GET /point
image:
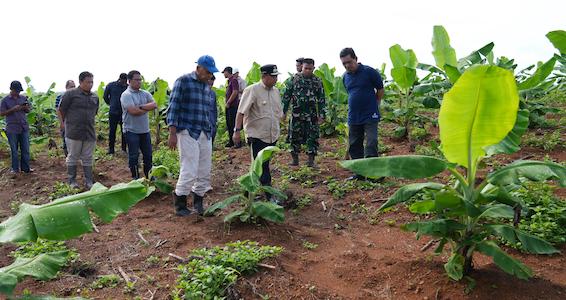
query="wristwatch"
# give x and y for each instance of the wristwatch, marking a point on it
(237, 129)
(141, 107)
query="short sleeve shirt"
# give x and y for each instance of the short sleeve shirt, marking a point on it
(362, 102)
(16, 122)
(79, 109)
(261, 107)
(135, 124)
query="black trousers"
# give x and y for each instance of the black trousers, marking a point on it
(114, 121)
(356, 136)
(231, 121)
(258, 145)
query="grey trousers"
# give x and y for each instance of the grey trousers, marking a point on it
(79, 150)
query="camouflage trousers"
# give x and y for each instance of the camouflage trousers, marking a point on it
(303, 132)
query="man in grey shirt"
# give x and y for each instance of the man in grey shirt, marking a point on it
(135, 105)
(78, 110)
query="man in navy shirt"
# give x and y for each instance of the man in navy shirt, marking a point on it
(365, 91)
(112, 95)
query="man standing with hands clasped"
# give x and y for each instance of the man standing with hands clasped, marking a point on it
(135, 105)
(190, 130)
(260, 112)
(365, 91)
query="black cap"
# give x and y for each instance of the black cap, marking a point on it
(269, 69)
(16, 86)
(229, 69)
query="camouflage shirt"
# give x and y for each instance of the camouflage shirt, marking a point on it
(305, 96)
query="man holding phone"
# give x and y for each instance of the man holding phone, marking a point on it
(15, 107)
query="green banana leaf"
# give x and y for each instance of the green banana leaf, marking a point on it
(254, 74)
(510, 144)
(538, 76)
(498, 211)
(160, 94)
(269, 211)
(403, 166)
(43, 267)
(437, 228)
(529, 243)
(558, 39)
(476, 57)
(453, 73)
(263, 156)
(443, 53)
(503, 260)
(530, 169)
(479, 111)
(222, 204)
(408, 191)
(69, 217)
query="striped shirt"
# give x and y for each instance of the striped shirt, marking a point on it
(190, 106)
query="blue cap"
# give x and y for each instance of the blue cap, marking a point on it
(207, 62)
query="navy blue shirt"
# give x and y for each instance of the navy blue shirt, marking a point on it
(362, 101)
(112, 94)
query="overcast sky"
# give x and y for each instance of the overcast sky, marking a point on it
(52, 41)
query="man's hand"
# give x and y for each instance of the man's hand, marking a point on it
(62, 126)
(172, 142)
(236, 137)
(18, 108)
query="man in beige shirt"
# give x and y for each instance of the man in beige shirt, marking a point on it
(260, 112)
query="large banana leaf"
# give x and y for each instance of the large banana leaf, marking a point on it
(529, 243)
(254, 74)
(408, 191)
(538, 76)
(269, 211)
(558, 39)
(443, 53)
(503, 260)
(455, 266)
(438, 228)
(43, 267)
(403, 166)
(263, 156)
(510, 144)
(479, 111)
(530, 169)
(69, 217)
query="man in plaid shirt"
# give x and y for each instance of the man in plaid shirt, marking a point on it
(190, 130)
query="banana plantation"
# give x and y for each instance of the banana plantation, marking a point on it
(467, 198)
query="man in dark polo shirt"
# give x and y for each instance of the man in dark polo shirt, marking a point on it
(78, 110)
(112, 94)
(232, 102)
(15, 107)
(365, 91)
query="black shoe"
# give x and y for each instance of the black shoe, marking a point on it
(135, 172)
(197, 204)
(294, 159)
(181, 209)
(110, 152)
(310, 162)
(238, 145)
(229, 145)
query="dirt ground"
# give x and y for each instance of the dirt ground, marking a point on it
(355, 259)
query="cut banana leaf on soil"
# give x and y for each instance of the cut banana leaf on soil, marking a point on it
(69, 217)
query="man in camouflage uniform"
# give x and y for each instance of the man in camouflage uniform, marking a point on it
(305, 95)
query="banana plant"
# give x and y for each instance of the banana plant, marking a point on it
(250, 209)
(476, 119)
(159, 88)
(42, 116)
(336, 100)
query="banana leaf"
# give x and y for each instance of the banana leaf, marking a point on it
(510, 144)
(479, 111)
(443, 53)
(558, 39)
(43, 267)
(530, 169)
(403, 166)
(69, 217)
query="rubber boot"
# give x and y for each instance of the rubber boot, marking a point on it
(135, 172)
(310, 162)
(181, 209)
(295, 159)
(89, 179)
(197, 204)
(146, 170)
(72, 172)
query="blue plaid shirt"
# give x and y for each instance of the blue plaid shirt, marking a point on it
(190, 106)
